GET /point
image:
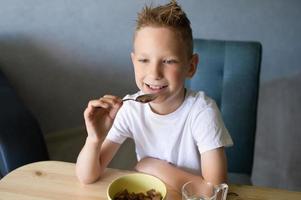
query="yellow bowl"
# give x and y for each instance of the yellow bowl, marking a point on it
(136, 182)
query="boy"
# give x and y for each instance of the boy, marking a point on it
(180, 135)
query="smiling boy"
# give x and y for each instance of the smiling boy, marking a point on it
(180, 136)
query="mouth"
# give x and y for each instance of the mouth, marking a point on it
(155, 88)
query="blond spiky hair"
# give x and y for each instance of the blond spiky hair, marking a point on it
(169, 15)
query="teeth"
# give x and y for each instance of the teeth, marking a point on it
(155, 87)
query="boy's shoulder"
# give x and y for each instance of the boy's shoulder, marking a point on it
(199, 97)
(199, 101)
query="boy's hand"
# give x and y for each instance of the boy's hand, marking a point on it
(99, 116)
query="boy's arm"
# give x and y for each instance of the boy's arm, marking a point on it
(94, 158)
(97, 151)
(213, 164)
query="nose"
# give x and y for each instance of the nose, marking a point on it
(155, 70)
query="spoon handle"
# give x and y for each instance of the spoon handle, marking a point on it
(128, 100)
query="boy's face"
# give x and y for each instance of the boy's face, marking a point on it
(161, 63)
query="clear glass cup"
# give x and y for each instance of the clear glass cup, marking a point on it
(201, 190)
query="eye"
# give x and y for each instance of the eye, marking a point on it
(143, 60)
(170, 61)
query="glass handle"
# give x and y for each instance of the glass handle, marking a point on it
(224, 189)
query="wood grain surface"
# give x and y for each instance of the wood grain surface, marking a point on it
(55, 180)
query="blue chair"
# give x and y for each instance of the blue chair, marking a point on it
(228, 72)
(21, 139)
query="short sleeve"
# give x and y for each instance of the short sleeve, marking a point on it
(208, 129)
(120, 129)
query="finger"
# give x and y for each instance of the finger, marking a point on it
(108, 103)
(104, 103)
(110, 96)
(99, 104)
(96, 106)
(92, 106)
(115, 102)
(114, 110)
(112, 100)
(115, 99)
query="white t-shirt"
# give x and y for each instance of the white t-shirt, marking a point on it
(179, 137)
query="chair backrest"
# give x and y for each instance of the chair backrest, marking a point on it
(228, 72)
(21, 139)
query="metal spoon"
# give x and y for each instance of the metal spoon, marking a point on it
(144, 98)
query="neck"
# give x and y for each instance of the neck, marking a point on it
(169, 105)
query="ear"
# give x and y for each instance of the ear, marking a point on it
(133, 57)
(193, 65)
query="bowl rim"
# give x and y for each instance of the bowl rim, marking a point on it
(138, 174)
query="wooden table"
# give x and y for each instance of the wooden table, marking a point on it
(56, 180)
